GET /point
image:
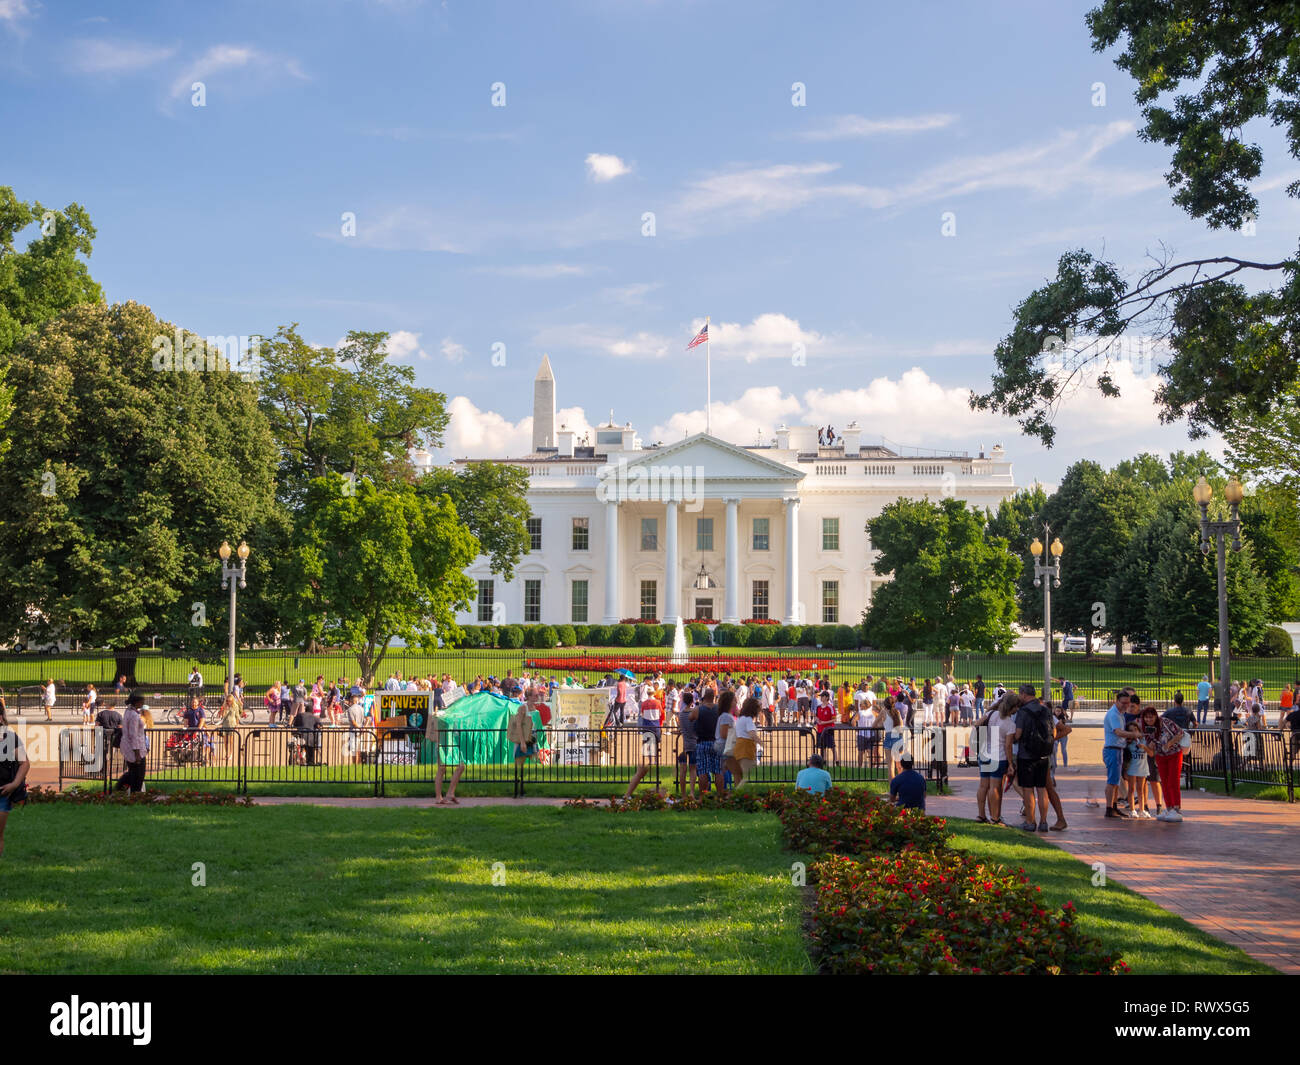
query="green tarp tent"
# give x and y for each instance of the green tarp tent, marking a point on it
(487, 715)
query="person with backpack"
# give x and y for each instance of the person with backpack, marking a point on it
(135, 745)
(110, 721)
(1033, 737)
(13, 773)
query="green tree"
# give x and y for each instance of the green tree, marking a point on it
(1095, 513)
(1205, 70)
(1270, 521)
(348, 411)
(378, 562)
(47, 278)
(121, 482)
(1130, 584)
(1183, 600)
(953, 584)
(492, 498)
(1019, 521)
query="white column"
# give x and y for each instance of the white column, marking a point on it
(672, 570)
(791, 561)
(611, 564)
(731, 612)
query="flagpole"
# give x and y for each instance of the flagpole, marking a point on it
(708, 381)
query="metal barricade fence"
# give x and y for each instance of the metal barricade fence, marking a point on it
(1263, 757)
(174, 756)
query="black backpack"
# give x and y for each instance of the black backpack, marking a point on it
(1036, 737)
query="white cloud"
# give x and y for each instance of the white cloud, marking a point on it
(536, 271)
(763, 190)
(602, 340)
(912, 410)
(631, 294)
(1065, 162)
(116, 57)
(847, 127)
(767, 336)
(13, 10)
(452, 351)
(257, 65)
(476, 433)
(606, 167)
(403, 344)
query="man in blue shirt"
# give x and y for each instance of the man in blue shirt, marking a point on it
(1115, 737)
(814, 778)
(1067, 698)
(908, 788)
(1202, 700)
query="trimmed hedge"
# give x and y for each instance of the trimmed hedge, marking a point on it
(511, 637)
(565, 636)
(1275, 644)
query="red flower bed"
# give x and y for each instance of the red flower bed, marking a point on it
(607, 663)
(944, 913)
(845, 821)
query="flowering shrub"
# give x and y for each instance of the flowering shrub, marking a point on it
(944, 913)
(82, 797)
(607, 663)
(743, 801)
(856, 822)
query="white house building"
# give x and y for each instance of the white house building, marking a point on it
(702, 528)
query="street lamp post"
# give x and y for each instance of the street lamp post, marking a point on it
(232, 574)
(1220, 530)
(1048, 576)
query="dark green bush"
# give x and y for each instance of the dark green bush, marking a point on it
(845, 638)
(623, 635)
(1275, 644)
(565, 636)
(646, 635)
(511, 637)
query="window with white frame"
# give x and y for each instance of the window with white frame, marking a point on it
(578, 603)
(703, 534)
(581, 534)
(486, 599)
(759, 609)
(830, 534)
(534, 534)
(649, 534)
(532, 601)
(762, 534)
(830, 602)
(649, 600)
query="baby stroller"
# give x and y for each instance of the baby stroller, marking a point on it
(186, 748)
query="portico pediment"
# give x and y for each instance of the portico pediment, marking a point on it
(699, 467)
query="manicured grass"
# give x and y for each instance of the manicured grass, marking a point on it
(1151, 939)
(1094, 678)
(298, 889)
(1272, 792)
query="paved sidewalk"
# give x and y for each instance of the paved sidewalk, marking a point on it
(1231, 868)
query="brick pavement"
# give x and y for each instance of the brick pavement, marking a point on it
(1232, 868)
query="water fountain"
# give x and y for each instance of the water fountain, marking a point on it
(680, 653)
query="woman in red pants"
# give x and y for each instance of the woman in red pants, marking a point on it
(1170, 742)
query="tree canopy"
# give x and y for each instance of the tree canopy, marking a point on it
(376, 563)
(953, 584)
(121, 480)
(1226, 325)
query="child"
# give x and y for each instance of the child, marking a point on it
(1137, 779)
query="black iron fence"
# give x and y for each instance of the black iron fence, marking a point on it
(1095, 678)
(365, 759)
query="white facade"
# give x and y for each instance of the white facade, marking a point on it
(779, 530)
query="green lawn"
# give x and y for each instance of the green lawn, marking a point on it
(298, 889)
(1151, 939)
(1094, 678)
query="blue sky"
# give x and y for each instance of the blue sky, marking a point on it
(816, 225)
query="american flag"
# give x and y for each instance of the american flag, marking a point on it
(700, 337)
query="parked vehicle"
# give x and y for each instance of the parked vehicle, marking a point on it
(1074, 642)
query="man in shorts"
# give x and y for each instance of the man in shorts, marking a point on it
(1034, 735)
(826, 727)
(708, 764)
(1115, 737)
